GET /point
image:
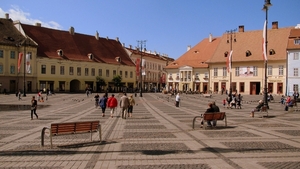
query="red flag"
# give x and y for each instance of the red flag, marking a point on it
(19, 61)
(264, 42)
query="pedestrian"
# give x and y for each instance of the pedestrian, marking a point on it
(224, 102)
(257, 108)
(102, 104)
(19, 94)
(124, 103)
(177, 100)
(33, 107)
(96, 100)
(131, 104)
(112, 103)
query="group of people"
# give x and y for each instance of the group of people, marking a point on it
(126, 104)
(212, 107)
(233, 101)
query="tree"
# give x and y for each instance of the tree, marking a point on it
(100, 83)
(117, 81)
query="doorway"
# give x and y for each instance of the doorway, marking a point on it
(254, 88)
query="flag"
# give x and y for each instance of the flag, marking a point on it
(143, 67)
(137, 66)
(264, 42)
(228, 62)
(28, 67)
(19, 61)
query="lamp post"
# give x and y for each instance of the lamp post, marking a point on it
(24, 84)
(230, 40)
(141, 43)
(265, 8)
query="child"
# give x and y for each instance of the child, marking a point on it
(224, 103)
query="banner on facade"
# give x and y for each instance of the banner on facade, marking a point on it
(28, 66)
(246, 71)
(143, 67)
(137, 66)
(19, 61)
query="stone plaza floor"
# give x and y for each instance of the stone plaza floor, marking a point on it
(158, 136)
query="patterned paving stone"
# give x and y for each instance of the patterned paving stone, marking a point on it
(292, 119)
(166, 166)
(155, 148)
(280, 165)
(270, 125)
(229, 134)
(289, 132)
(16, 127)
(263, 147)
(132, 121)
(148, 135)
(4, 135)
(145, 127)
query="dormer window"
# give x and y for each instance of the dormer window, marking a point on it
(297, 41)
(60, 52)
(90, 56)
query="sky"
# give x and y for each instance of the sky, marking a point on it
(166, 26)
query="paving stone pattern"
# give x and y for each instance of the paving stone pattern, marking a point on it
(158, 136)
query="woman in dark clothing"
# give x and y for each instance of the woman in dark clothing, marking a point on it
(102, 104)
(209, 110)
(33, 107)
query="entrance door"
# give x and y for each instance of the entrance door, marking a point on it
(254, 88)
(12, 86)
(204, 87)
(270, 87)
(279, 88)
(223, 85)
(216, 87)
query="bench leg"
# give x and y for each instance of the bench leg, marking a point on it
(100, 135)
(43, 136)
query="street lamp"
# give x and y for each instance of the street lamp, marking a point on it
(265, 8)
(230, 40)
(25, 55)
(141, 43)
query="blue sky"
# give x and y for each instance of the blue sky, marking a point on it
(168, 26)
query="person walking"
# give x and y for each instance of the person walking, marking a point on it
(124, 103)
(112, 103)
(96, 100)
(33, 107)
(177, 100)
(19, 94)
(131, 104)
(102, 104)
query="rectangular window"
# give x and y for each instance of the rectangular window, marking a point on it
(62, 70)
(79, 71)
(1, 54)
(30, 55)
(280, 70)
(52, 69)
(121, 73)
(270, 70)
(237, 71)
(1, 69)
(86, 71)
(224, 71)
(12, 54)
(255, 71)
(242, 87)
(296, 72)
(93, 72)
(131, 74)
(126, 74)
(12, 69)
(107, 73)
(71, 70)
(114, 72)
(43, 69)
(296, 87)
(296, 56)
(297, 41)
(99, 72)
(215, 71)
(206, 75)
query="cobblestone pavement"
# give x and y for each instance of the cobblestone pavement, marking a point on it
(158, 136)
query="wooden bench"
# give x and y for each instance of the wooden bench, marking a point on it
(58, 129)
(210, 117)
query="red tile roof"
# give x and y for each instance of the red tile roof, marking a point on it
(198, 55)
(155, 56)
(295, 34)
(76, 47)
(252, 41)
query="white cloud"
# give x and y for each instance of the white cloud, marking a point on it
(15, 13)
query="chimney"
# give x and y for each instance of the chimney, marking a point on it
(130, 46)
(275, 25)
(72, 30)
(7, 16)
(38, 24)
(241, 28)
(97, 35)
(117, 39)
(188, 47)
(210, 37)
(123, 44)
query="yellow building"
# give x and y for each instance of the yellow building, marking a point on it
(15, 51)
(247, 63)
(67, 61)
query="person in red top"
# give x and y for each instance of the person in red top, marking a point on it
(112, 103)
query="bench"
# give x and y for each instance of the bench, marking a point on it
(210, 117)
(58, 129)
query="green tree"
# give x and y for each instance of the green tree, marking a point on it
(100, 82)
(117, 81)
